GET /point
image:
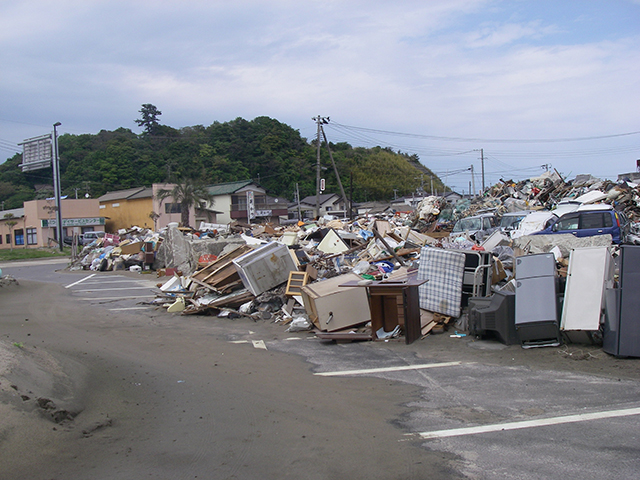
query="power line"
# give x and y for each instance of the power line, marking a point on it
(489, 140)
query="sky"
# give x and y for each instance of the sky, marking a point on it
(516, 87)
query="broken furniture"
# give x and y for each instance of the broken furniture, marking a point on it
(331, 307)
(394, 302)
(221, 275)
(536, 303)
(296, 281)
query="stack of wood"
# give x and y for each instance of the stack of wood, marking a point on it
(434, 322)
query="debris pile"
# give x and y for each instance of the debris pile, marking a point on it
(385, 276)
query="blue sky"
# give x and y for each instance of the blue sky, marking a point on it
(531, 83)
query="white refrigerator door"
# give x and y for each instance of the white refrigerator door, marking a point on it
(589, 269)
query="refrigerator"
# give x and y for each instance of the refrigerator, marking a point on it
(536, 300)
(265, 267)
(621, 329)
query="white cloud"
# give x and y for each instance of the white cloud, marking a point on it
(470, 68)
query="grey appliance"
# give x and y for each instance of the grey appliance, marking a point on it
(494, 317)
(536, 300)
(621, 329)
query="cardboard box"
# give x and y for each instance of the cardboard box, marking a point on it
(131, 248)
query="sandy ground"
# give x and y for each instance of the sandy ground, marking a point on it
(168, 397)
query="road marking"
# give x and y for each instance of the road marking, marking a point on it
(387, 369)
(80, 281)
(542, 422)
(238, 341)
(127, 308)
(97, 299)
(99, 281)
(112, 289)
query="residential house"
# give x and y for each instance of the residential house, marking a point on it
(247, 202)
(126, 208)
(374, 208)
(140, 207)
(329, 204)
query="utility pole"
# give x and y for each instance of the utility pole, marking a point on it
(473, 181)
(298, 200)
(318, 121)
(482, 160)
(335, 169)
(56, 186)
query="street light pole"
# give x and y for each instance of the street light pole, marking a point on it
(56, 186)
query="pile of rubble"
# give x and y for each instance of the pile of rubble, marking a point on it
(375, 277)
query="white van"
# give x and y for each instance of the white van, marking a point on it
(89, 237)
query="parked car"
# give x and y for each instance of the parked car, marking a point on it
(89, 237)
(476, 227)
(511, 220)
(590, 220)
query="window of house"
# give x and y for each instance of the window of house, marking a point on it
(18, 235)
(239, 200)
(8, 238)
(0, 239)
(172, 208)
(32, 236)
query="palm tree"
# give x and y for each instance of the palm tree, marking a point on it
(10, 223)
(189, 193)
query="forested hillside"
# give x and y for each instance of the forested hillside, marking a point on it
(263, 149)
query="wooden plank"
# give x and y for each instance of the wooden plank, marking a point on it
(428, 327)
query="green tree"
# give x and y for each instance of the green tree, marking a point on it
(189, 193)
(149, 120)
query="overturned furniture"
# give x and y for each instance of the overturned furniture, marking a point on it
(331, 307)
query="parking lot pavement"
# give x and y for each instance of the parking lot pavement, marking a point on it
(500, 411)
(508, 422)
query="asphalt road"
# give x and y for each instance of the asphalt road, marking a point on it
(205, 397)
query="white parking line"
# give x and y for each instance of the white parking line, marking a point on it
(542, 422)
(80, 281)
(112, 298)
(122, 280)
(112, 289)
(387, 369)
(127, 308)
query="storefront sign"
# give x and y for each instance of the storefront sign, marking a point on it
(74, 222)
